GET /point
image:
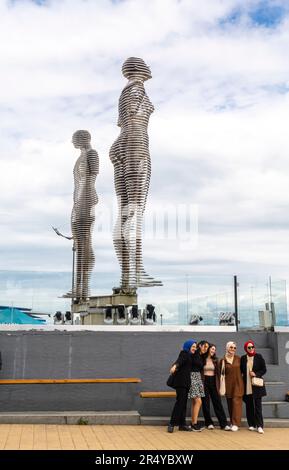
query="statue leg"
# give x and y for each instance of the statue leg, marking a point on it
(82, 245)
(88, 258)
(78, 255)
(137, 181)
(120, 246)
(79, 269)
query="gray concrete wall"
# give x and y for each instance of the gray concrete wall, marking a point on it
(98, 354)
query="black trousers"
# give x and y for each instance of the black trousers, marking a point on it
(212, 393)
(178, 417)
(254, 411)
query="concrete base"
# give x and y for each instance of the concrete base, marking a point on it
(70, 417)
(92, 311)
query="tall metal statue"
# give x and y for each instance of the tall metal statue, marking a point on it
(132, 170)
(83, 213)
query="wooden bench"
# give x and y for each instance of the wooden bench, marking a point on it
(157, 394)
(68, 381)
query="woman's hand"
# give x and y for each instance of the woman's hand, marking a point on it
(173, 369)
(252, 374)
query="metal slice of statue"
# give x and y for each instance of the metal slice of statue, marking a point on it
(132, 170)
(83, 213)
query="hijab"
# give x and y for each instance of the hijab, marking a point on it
(250, 352)
(229, 356)
(188, 344)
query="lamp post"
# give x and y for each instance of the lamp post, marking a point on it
(236, 285)
(73, 259)
(187, 289)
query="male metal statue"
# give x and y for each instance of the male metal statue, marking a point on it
(83, 213)
(132, 169)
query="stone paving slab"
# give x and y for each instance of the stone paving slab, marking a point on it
(114, 437)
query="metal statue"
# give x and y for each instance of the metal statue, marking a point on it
(83, 213)
(132, 170)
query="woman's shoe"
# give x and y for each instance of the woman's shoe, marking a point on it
(211, 426)
(170, 428)
(251, 428)
(185, 428)
(201, 426)
(260, 430)
(226, 428)
(234, 428)
(196, 427)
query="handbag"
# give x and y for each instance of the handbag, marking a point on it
(170, 381)
(257, 382)
(222, 389)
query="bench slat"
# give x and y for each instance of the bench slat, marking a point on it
(157, 394)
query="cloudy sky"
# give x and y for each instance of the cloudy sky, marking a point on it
(218, 136)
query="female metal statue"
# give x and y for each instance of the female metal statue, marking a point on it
(83, 213)
(132, 169)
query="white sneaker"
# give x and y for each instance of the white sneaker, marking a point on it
(211, 426)
(234, 428)
(227, 428)
(251, 428)
(260, 430)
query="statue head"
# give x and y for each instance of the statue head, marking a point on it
(134, 67)
(81, 139)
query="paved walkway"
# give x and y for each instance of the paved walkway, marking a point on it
(55, 437)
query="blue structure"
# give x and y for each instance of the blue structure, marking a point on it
(18, 315)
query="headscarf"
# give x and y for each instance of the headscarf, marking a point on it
(229, 356)
(251, 352)
(188, 344)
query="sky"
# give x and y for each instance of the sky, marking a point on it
(218, 137)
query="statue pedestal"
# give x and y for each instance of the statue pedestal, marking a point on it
(92, 311)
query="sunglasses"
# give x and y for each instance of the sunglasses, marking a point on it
(233, 347)
(251, 347)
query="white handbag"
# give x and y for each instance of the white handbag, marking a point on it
(257, 382)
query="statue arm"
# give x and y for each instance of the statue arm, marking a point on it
(93, 162)
(136, 97)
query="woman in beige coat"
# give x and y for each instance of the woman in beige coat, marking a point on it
(230, 364)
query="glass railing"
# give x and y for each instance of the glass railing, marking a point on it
(182, 300)
(262, 299)
(189, 299)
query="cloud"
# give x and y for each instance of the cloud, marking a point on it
(218, 136)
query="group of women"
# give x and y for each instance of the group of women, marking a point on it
(198, 374)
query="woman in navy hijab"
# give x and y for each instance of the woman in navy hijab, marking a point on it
(181, 372)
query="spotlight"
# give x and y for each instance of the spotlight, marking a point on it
(149, 315)
(68, 318)
(58, 318)
(108, 315)
(121, 315)
(196, 320)
(227, 319)
(134, 315)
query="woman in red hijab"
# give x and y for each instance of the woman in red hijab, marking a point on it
(253, 368)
